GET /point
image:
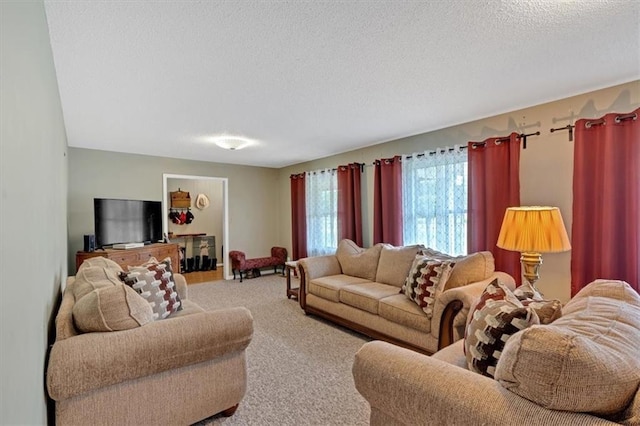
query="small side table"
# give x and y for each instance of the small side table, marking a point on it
(291, 266)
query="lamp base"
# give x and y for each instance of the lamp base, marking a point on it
(531, 262)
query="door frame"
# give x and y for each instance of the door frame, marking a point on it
(225, 212)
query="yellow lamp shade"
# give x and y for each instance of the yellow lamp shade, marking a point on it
(533, 229)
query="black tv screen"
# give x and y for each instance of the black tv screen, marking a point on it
(127, 221)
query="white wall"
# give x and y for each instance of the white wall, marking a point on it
(209, 220)
(33, 218)
(546, 166)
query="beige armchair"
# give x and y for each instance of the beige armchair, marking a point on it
(582, 369)
(177, 370)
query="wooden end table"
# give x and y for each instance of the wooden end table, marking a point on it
(291, 266)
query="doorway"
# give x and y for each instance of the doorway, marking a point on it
(209, 218)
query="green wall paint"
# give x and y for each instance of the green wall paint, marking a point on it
(33, 237)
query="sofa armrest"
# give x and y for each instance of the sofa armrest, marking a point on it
(412, 388)
(315, 267)
(181, 286)
(95, 360)
(320, 266)
(451, 308)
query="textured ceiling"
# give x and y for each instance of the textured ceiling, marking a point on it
(311, 79)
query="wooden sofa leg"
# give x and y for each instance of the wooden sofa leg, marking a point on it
(230, 411)
(240, 275)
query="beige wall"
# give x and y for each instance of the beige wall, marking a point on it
(546, 166)
(209, 220)
(253, 201)
(33, 232)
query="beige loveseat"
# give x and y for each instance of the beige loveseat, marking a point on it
(582, 369)
(361, 289)
(177, 370)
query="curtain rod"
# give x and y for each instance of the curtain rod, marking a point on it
(588, 124)
(568, 127)
(359, 166)
(622, 117)
(434, 152)
(522, 136)
(618, 119)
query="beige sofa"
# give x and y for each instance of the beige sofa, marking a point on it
(361, 289)
(177, 370)
(582, 369)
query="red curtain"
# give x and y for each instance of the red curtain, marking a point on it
(387, 201)
(298, 217)
(606, 200)
(350, 203)
(494, 185)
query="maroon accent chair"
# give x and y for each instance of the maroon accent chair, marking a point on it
(240, 263)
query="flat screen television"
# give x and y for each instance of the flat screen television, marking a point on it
(127, 221)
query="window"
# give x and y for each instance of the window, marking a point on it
(322, 212)
(434, 200)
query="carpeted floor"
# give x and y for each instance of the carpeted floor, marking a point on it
(299, 366)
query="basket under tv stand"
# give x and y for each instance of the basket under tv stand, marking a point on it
(135, 256)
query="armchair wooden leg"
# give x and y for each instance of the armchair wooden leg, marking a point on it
(230, 411)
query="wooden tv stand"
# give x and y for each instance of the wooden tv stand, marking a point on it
(135, 256)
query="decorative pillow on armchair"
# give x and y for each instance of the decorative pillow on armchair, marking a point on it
(101, 262)
(111, 308)
(499, 315)
(154, 281)
(89, 278)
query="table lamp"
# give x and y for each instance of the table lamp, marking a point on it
(533, 230)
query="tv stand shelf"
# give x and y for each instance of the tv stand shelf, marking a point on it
(135, 256)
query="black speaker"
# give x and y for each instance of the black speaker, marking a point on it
(90, 242)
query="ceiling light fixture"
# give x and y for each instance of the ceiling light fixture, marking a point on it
(232, 143)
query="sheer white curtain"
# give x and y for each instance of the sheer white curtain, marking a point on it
(322, 212)
(434, 199)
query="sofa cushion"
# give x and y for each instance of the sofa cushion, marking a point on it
(469, 269)
(111, 308)
(90, 278)
(188, 308)
(587, 360)
(366, 296)
(101, 262)
(394, 264)
(631, 415)
(329, 287)
(496, 318)
(154, 281)
(453, 354)
(435, 254)
(358, 262)
(400, 310)
(547, 310)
